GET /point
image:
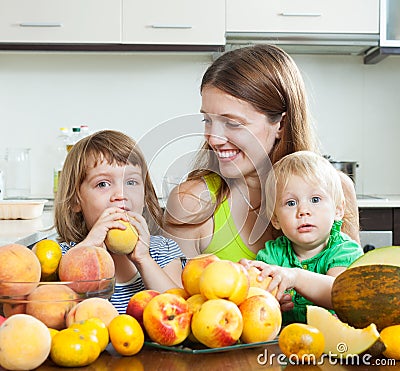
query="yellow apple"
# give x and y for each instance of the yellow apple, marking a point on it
(122, 241)
(193, 270)
(167, 319)
(254, 282)
(138, 302)
(262, 318)
(218, 323)
(224, 279)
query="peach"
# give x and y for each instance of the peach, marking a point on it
(178, 291)
(223, 279)
(86, 263)
(51, 304)
(18, 264)
(24, 343)
(262, 318)
(14, 308)
(138, 302)
(195, 302)
(122, 241)
(217, 323)
(167, 319)
(192, 271)
(92, 307)
(253, 291)
(254, 282)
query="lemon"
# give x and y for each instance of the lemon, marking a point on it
(73, 348)
(301, 342)
(94, 326)
(390, 337)
(126, 335)
(49, 254)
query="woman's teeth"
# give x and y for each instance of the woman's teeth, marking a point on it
(226, 154)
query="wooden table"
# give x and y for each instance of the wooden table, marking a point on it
(150, 359)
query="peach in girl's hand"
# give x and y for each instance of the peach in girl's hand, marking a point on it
(122, 241)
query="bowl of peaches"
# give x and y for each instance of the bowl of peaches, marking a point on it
(58, 289)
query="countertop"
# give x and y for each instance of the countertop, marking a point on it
(379, 201)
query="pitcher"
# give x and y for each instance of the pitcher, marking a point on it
(18, 173)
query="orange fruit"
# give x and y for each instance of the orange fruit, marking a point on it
(73, 348)
(96, 327)
(390, 337)
(301, 342)
(49, 254)
(126, 335)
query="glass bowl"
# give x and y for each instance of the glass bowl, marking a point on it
(50, 302)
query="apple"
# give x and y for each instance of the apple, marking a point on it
(138, 302)
(224, 279)
(192, 271)
(254, 282)
(122, 241)
(218, 323)
(178, 291)
(167, 319)
(262, 318)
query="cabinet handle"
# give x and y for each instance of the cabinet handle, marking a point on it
(40, 24)
(286, 14)
(176, 26)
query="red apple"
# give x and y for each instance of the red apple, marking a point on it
(138, 302)
(167, 319)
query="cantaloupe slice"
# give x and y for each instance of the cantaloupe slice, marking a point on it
(341, 339)
(389, 255)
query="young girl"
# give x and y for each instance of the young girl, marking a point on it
(305, 200)
(104, 180)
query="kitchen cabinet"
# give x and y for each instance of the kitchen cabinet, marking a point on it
(381, 221)
(183, 22)
(340, 16)
(60, 21)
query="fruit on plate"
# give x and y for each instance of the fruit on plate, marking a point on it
(254, 273)
(390, 337)
(49, 254)
(84, 263)
(18, 264)
(193, 270)
(340, 338)
(301, 342)
(167, 319)
(389, 255)
(223, 279)
(262, 318)
(138, 302)
(24, 342)
(218, 323)
(253, 291)
(368, 294)
(92, 307)
(122, 241)
(126, 335)
(51, 304)
(73, 348)
(195, 302)
(178, 291)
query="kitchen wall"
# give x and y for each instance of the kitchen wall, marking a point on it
(354, 106)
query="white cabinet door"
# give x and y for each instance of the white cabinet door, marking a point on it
(185, 22)
(340, 16)
(60, 21)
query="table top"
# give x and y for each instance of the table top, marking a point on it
(259, 358)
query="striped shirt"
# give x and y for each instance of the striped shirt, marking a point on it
(162, 250)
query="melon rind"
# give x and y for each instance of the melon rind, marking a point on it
(341, 340)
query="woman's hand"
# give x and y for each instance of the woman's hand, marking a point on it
(109, 219)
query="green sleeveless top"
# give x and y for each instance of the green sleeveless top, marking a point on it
(226, 242)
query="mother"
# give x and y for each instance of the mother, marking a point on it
(255, 112)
